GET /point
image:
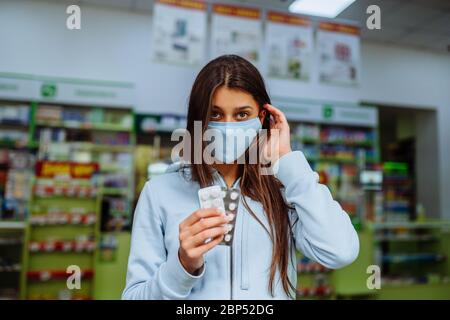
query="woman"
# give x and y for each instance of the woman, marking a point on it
(176, 250)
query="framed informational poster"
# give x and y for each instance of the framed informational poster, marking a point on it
(339, 54)
(289, 46)
(236, 30)
(179, 31)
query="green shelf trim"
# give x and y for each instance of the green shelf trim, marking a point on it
(12, 225)
(15, 126)
(13, 144)
(85, 126)
(89, 82)
(349, 143)
(305, 140)
(161, 129)
(114, 191)
(88, 146)
(335, 142)
(338, 160)
(33, 144)
(400, 166)
(411, 225)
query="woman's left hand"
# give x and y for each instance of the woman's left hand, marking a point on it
(279, 142)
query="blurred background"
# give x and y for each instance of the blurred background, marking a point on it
(90, 94)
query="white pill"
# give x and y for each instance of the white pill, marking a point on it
(217, 203)
(230, 217)
(207, 204)
(227, 237)
(205, 196)
(229, 227)
(232, 206)
(234, 195)
(215, 193)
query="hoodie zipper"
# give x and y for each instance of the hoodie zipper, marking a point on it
(224, 184)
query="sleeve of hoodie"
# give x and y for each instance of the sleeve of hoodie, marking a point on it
(152, 272)
(323, 231)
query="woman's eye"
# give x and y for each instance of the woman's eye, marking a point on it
(215, 115)
(242, 115)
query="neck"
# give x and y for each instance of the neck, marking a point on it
(229, 172)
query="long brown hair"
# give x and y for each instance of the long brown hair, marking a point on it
(235, 72)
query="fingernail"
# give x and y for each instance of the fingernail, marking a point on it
(221, 210)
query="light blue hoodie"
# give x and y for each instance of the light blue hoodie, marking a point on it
(323, 232)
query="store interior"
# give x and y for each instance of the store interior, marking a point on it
(87, 115)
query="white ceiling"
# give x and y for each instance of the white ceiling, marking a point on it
(419, 23)
(422, 24)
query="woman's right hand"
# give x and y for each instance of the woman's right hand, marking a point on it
(201, 225)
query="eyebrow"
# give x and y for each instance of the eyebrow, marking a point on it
(239, 108)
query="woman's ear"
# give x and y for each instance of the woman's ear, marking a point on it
(262, 115)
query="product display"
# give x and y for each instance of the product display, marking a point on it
(100, 135)
(65, 211)
(338, 153)
(11, 245)
(16, 174)
(413, 253)
(14, 119)
(398, 194)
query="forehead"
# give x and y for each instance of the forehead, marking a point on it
(225, 97)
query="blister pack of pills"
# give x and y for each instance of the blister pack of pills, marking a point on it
(225, 199)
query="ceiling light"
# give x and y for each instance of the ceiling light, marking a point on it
(321, 8)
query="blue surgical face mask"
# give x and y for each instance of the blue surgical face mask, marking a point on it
(234, 138)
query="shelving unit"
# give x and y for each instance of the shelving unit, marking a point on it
(413, 253)
(93, 134)
(11, 248)
(75, 120)
(338, 153)
(339, 143)
(63, 230)
(314, 281)
(154, 145)
(14, 123)
(398, 192)
(17, 158)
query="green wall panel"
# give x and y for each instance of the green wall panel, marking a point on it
(110, 275)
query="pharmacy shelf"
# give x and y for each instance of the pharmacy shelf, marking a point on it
(12, 225)
(114, 191)
(14, 144)
(308, 140)
(83, 126)
(56, 235)
(412, 225)
(304, 139)
(337, 160)
(417, 257)
(407, 238)
(14, 126)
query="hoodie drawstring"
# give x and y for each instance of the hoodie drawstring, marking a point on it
(244, 251)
